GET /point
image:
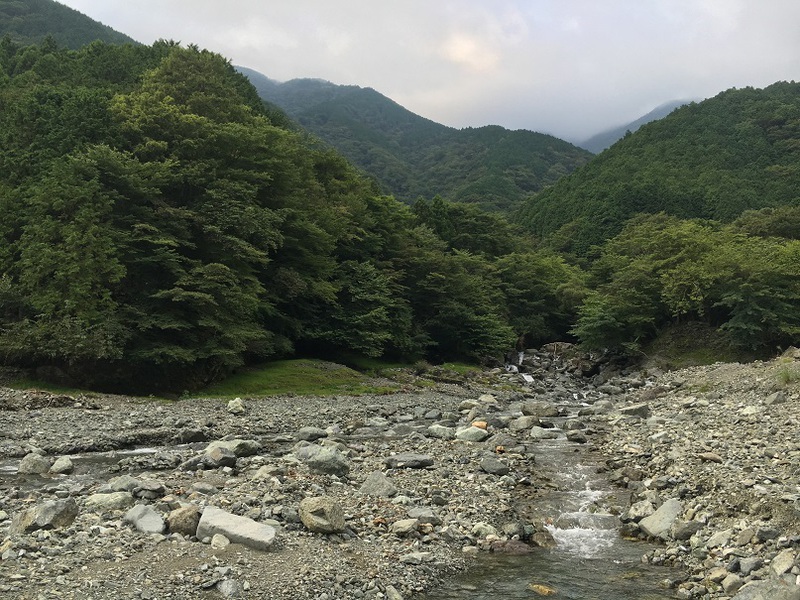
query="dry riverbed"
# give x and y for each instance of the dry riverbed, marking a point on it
(388, 496)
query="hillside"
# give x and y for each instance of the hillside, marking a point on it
(715, 159)
(605, 139)
(411, 157)
(30, 21)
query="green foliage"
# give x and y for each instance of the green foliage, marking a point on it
(31, 21)
(410, 157)
(713, 160)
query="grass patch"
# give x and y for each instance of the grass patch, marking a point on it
(460, 368)
(692, 344)
(303, 377)
(788, 374)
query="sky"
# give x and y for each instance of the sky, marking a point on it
(572, 68)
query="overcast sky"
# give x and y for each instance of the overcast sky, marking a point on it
(567, 67)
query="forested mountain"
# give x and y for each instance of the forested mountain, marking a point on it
(29, 21)
(410, 156)
(601, 141)
(158, 229)
(715, 159)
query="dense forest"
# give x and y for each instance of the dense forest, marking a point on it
(161, 226)
(30, 21)
(713, 160)
(158, 227)
(411, 157)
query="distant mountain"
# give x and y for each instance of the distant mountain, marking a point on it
(410, 156)
(713, 160)
(31, 21)
(601, 141)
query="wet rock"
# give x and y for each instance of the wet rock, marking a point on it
(47, 515)
(239, 530)
(577, 437)
(322, 514)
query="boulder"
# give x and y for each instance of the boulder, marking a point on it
(239, 530)
(144, 519)
(239, 447)
(659, 523)
(494, 466)
(322, 514)
(539, 408)
(236, 407)
(48, 515)
(324, 460)
(441, 432)
(636, 410)
(768, 590)
(184, 520)
(34, 464)
(472, 434)
(62, 466)
(112, 501)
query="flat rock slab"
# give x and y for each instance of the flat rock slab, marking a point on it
(239, 530)
(659, 523)
(768, 590)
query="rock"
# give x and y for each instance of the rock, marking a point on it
(749, 564)
(230, 588)
(720, 538)
(778, 397)
(577, 436)
(124, 483)
(219, 456)
(636, 410)
(659, 523)
(639, 510)
(494, 466)
(416, 558)
(441, 432)
(684, 530)
(239, 530)
(34, 464)
(144, 519)
(322, 514)
(184, 520)
(540, 433)
(710, 457)
(731, 583)
(236, 407)
(112, 501)
(783, 562)
(323, 460)
(392, 593)
(404, 526)
(472, 434)
(310, 434)
(523, 423)
(538, 408)
(378, 484)
(62, 466)
(482, 530)
(219, 542)
(239, 447)
(47, 515)
(409, 460)
(767, 590)
(424, 514)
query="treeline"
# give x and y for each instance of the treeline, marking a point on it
(713, 160)
(158, 230)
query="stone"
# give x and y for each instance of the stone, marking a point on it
(63, 465)
(684, 530)
(767, 590)
(639, 510)
(310, 434)
(392, 593)
(482, 530)
(237, 407)
(540, 433)
(710, 457)
(409, 460)
(230, 588)
(636, 410)
(184, 520)
(749, 564)
(34, 464)
(378, 484)
(404, 526)
(322, 514)
(416, 558)
(144, 519)
(112, 501)
(441, 432)
(659, 523)
(54, 514)
(239, 447)
(239, 530)
(124, 483)
(778, 397)
(539, 408)
(732, 583)
(472, 434)
(219, 542)
(424, 514)
(494, 466)
(219, 456)
(720, 538)
(523, 423)
(783, 562)
(329, 461)
(577, 437)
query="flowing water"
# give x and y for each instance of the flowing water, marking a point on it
(590, 562)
